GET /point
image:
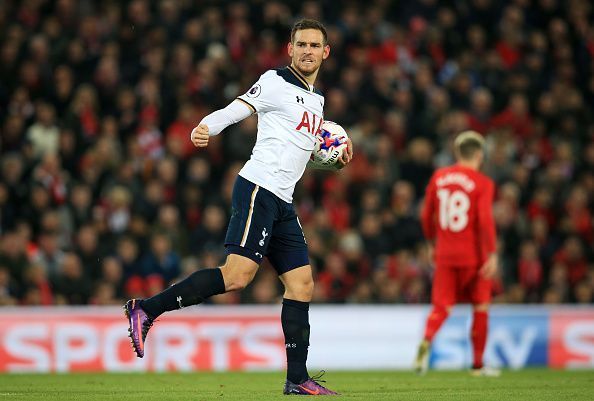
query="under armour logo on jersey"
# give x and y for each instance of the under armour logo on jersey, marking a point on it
(300, 99)
(264, 235)
(179, 298)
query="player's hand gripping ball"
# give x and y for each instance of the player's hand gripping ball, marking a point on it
(331, 142)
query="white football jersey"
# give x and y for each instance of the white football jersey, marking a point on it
(290, 112)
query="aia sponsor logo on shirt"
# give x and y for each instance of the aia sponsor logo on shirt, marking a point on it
(311, 123)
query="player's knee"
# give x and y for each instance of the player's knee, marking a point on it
(300, 290)
(236, 277)
(236, 280)
(307, 288)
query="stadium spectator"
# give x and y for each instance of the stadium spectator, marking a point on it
(43, 134)
(71, 284)
(161, 261)
(335, 280)
(88, 104)
(9, 293)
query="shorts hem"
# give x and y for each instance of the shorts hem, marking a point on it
(246, 252)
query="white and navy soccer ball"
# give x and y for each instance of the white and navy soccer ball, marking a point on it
(331, 141)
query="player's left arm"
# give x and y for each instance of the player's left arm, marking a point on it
(487, 234)
(428, 218)
(346, 156)
(428, 211)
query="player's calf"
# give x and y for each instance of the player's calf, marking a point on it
(437, 316)
(478, 335)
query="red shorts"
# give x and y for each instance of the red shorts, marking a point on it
(453, 285)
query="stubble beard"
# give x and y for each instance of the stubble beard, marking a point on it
(306, 73)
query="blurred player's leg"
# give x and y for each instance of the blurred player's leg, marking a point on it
(438, 315)
(480, 289)
(478, 336)
(436, 318)
(443, 295)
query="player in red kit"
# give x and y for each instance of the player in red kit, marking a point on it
(457, 219)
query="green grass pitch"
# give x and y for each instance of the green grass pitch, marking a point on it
(530, 384)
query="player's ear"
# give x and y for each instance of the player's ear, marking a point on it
(326, 52)
(290, 49)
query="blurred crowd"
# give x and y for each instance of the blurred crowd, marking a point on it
(103, 197)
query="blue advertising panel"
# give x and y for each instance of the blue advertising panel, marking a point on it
(517, 338)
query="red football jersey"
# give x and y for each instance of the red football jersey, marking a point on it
(458, 215)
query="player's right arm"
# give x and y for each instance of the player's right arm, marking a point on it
(217, 121)
(261, 97)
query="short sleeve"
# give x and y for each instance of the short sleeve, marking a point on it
(264, 95)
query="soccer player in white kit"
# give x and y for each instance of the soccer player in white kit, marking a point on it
(263, 220)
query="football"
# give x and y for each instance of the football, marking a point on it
(331, 141)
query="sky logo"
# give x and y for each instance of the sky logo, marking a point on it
(515, 340)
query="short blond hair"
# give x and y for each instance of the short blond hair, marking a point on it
(467, 143)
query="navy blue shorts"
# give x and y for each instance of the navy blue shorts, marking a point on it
(261, 225)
